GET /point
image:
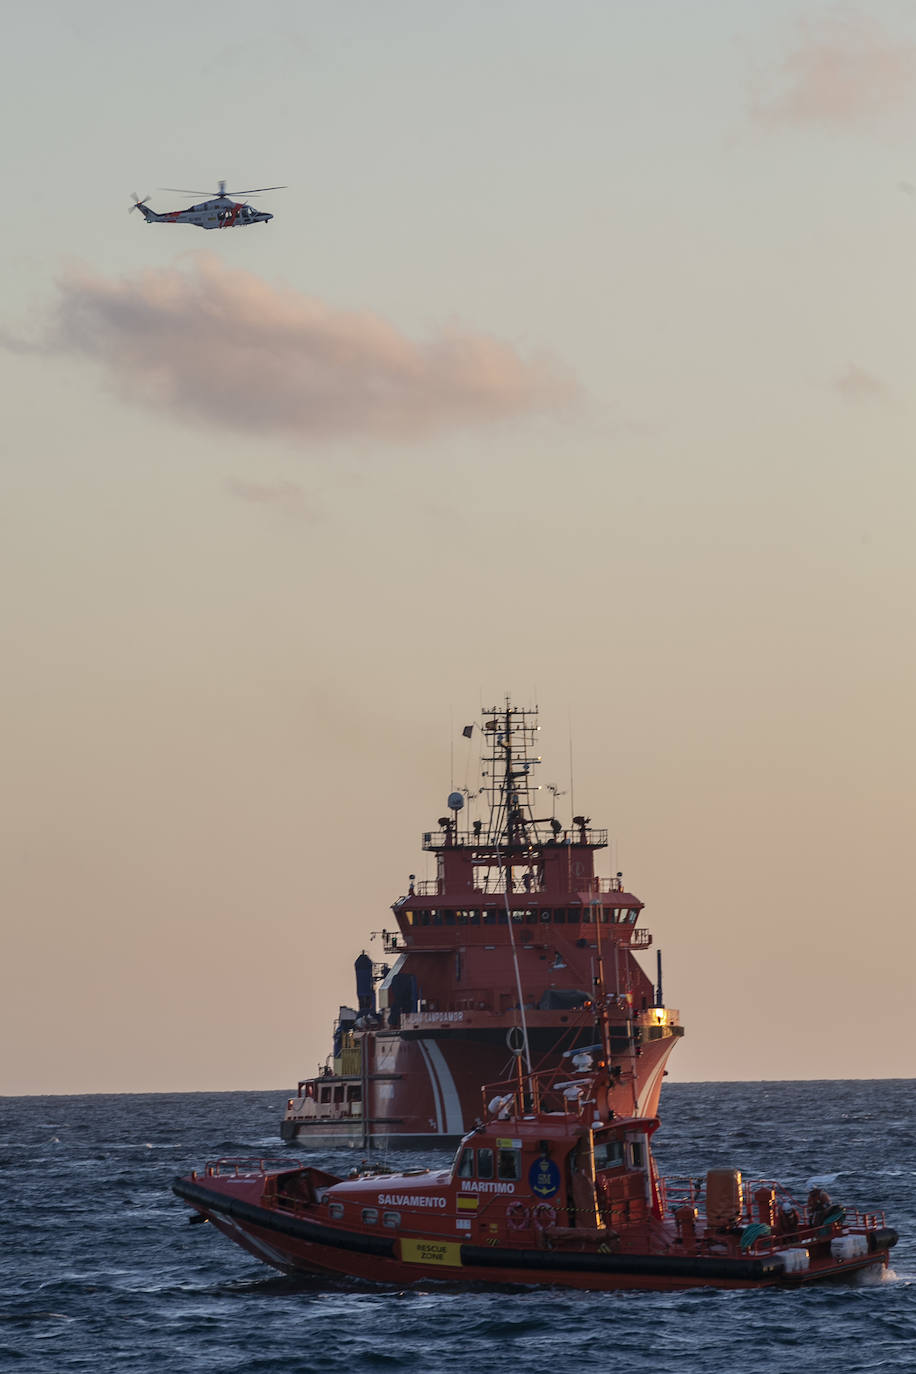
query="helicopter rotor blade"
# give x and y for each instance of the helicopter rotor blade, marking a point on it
(258, 190)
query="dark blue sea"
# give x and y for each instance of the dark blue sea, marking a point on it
(100, 1270)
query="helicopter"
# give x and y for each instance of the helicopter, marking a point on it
(219, 212)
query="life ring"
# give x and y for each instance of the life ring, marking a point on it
(544, 1216)
(517, 1216)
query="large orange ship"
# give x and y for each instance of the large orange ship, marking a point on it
(493, 961)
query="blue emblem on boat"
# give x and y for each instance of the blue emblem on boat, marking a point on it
(544, 1177)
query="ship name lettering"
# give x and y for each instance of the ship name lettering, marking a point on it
(409, 1200)
(474, 1186)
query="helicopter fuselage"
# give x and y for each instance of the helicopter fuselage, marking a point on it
(219, 213)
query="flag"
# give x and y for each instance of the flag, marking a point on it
(468, 731)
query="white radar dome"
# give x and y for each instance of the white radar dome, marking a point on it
(455, 801)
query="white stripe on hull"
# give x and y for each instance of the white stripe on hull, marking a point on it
(454, 1120)
(423, 1046)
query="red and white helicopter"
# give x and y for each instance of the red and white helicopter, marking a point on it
(219, 212)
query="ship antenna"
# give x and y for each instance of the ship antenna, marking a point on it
(572, 790)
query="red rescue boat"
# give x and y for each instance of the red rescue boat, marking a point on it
(552, 1187)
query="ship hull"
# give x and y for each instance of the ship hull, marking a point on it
(296, 1245)
(423, 1086)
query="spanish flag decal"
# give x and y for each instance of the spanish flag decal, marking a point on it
(468, 1204)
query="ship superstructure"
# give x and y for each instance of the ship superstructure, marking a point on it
(493, 960)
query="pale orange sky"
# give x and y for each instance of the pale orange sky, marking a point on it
(576, 365)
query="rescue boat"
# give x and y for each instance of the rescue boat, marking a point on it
(550, 1187)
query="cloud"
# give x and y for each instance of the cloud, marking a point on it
(212, 344)
(285, 496)
(842, 69)
(855, 385)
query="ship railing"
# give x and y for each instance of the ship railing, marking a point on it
(551, 1091)
(537, 835)
(491, 885)
(243, 1167)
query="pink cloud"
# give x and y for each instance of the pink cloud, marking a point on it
(843, 68)
(212, 344)
(855, 384)
(285, 496)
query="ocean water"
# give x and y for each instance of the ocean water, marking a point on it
(100, 1270)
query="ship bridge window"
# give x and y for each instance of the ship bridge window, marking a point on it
(369, 1216)
(391, 1219)
(573, 915)
(637, 1154)
(466, 1164)
(339, 1093)
(325, 1094)
(474, 918)
(485, 1163)
(508, 1164)
(609, 1154)
(559, 916)
(490, 917)
(449, 917)
(531, 918)
(336, 1211)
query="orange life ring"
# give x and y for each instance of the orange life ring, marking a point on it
(517, 1216)
(544, 1216)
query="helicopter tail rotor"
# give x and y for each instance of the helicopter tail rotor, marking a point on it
(138, 203)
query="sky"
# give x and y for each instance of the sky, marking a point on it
(575, 365)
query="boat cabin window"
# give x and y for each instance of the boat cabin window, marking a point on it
(637, 1154)
(339, 1093)
(609, 1154)
(336, 1211)
(369, 1216)
(325, 1094)
(485, 1163)
(559, 917)
(391, 1219)
(354, 1094)
(573, 915)
(466, 1164)
(508, 1164)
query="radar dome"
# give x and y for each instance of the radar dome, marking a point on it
(455, 801)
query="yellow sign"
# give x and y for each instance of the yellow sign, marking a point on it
(430, 1252)
(468, 1204)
